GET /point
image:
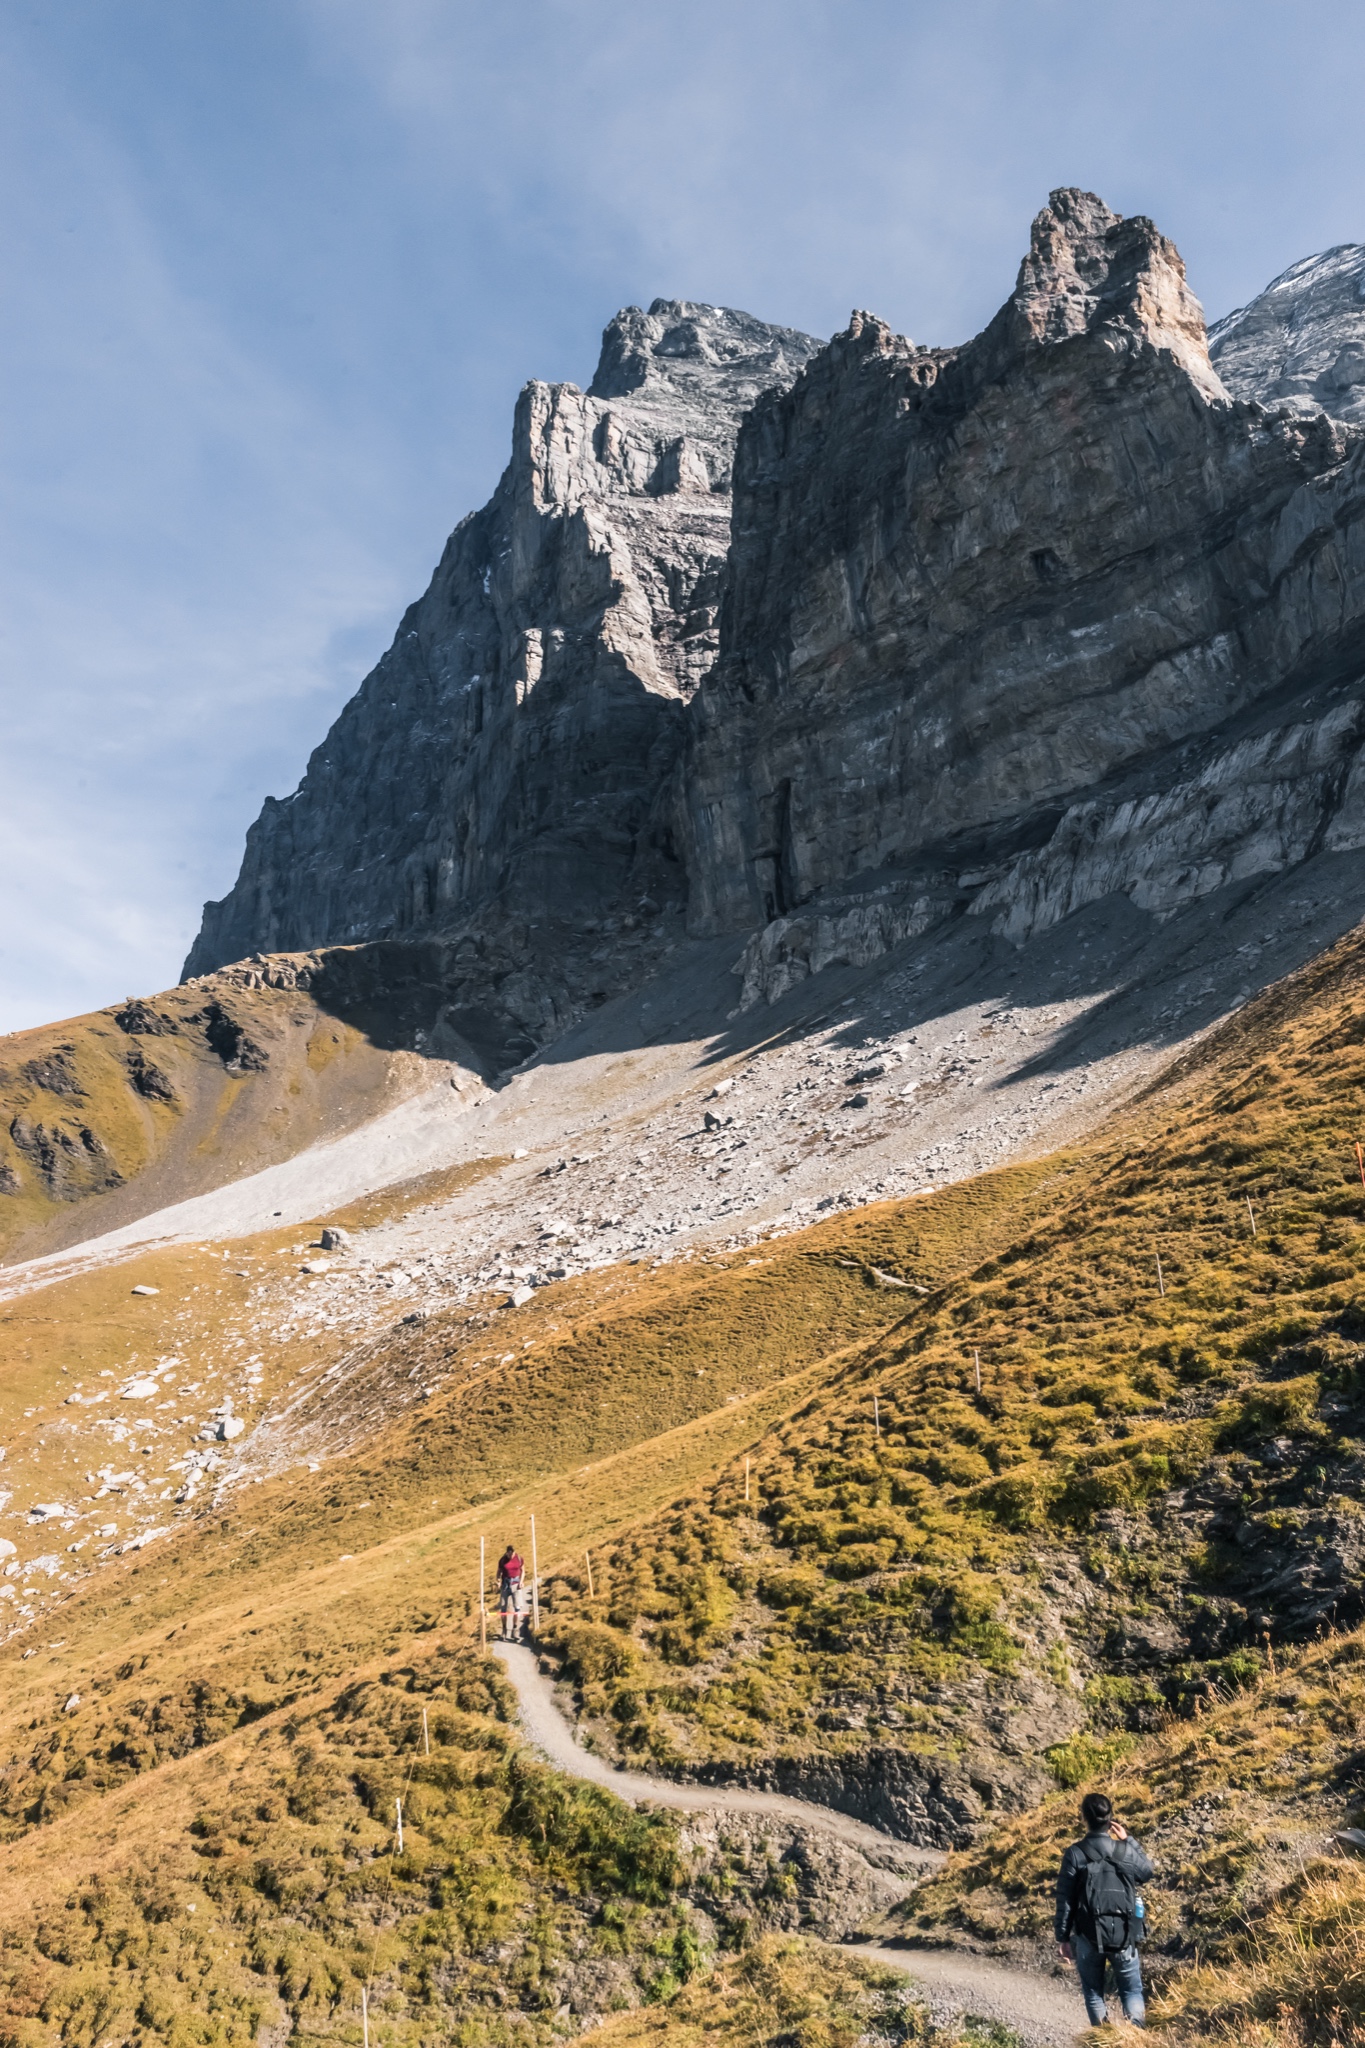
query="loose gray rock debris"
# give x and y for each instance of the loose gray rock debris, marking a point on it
(912, 858)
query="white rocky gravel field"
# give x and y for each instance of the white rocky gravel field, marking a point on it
(629, 1140)
(1124, 842)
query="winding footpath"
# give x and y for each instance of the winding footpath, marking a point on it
(1044, 2011)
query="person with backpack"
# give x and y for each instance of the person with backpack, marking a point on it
(511, 1605)
(1100, 1918)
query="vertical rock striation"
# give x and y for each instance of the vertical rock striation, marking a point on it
(967, 586)
(505, 756)
(1074, 610)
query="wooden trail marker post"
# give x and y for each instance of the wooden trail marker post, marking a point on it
(1251, 1214)
(977, 1356)
(587, 1558)
(398, 1809)
(426, 1736)
(483, 1615)
(1360, 1162)
(535, 1583)
(876, 1415)
(365, 2012)
(1160, 1280)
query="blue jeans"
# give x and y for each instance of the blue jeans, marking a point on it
(1127, 1970)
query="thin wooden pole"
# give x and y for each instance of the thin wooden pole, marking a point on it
(398, 1809)
(426, 1733)
(977, 1356)
(876, 1415)
(588, 1556)
(746, 1480)
(1251, 1213)
(483, 1613)
(535, 1583)
(365, 2012)
(1160, 1281)
(1360, 1162)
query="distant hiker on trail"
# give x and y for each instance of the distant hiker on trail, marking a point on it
(511, 1603)
(1100, 1918)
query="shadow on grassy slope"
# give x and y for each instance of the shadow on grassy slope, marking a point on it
(1147, 1489)
(1000, 1592)
(1256, 1913)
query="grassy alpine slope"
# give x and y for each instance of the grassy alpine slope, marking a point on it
(783, 1992)
(106, 1117)
(254, 1901)
(1081, 1567)
(1146, 1489)
(1257, 1916)
(157, 1742)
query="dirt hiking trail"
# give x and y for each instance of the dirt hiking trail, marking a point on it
(1042, 2010)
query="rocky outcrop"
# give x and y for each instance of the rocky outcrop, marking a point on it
(917, 1796)
(1075, 610)
(751, 1872)
(504, 759)
(70, 1161)
(840, 930)
(1257, 808)
(968, 588)
(484, 996)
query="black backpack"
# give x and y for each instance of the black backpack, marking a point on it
(1109, 1903)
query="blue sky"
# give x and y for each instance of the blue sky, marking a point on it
(275, 270)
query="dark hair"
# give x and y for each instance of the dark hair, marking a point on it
(1096, 1809)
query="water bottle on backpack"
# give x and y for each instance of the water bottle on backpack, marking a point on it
(1101, 1920)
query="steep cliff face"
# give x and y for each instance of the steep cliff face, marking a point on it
(968, 587)
(505, 755)
(1075, 610)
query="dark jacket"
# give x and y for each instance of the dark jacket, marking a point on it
(1071, 1912)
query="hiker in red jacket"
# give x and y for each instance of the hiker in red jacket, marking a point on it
(1100, 1918)
(511, 1604)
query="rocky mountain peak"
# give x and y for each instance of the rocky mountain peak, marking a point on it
(832, 645)
(867, 334)
(661, 414)
(1088, 267)
(1066, 271)
(679, 346)
(498, 775)
(973, 595)
(1301, 342)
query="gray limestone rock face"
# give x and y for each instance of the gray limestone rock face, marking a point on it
(1301, 342)
(970, 589)
(504, 758)
(834, 644)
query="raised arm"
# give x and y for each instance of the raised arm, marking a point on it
(1130, 1858)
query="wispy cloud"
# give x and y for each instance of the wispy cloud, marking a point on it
(275, 270)
(815, 154)
(181, 558)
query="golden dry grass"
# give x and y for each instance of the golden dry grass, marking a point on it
(99, 1125)
(788, 1994)
(1257, 1913)
(244, 1620)
(887, 1554)
(915, 1554)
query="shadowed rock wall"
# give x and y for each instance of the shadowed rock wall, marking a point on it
(968, 586)
(506, 754)
(1076, 609)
